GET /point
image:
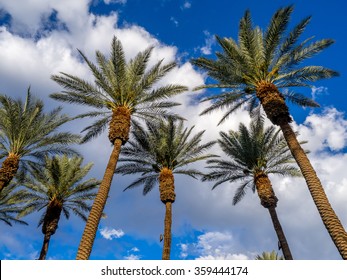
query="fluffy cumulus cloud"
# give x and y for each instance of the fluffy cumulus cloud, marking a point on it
(213, 246)
(328, 129)
(111, 233)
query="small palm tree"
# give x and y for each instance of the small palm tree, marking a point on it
(165, 148)
(58, 188)
(120, 92)
(11, 204)
(253, 154)
(259, 69)
(27, 135)
(269, 256)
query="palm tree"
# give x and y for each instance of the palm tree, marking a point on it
(120, 91)
(27, 135)
(272, 256)
(254, 70)
(11, 204)
(165, 148)
(253, 154)
(58, 188)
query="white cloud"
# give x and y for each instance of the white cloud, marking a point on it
(209, 42)
(132, 257)
(325, 130)
(316, 91)
(186, 5)
(213, 246)
(27, 16)
(111, 233)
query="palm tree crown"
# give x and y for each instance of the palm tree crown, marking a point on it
(261, 62)
(250, 152)
(119, 88)
(269, 256)
(164, 144)
(58, 188)
(27, 135)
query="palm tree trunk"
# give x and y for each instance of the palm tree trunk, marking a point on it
(328, 215)
(167, 231)
(269, 200)
(87, 240)
(280, 234)
(50, 224)
(8, 170)
(45, 244)
(167, 196)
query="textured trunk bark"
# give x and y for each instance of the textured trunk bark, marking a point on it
(166, 185)
(167, 231)
(269, 200)
(280, 234)
(328, 215)
(167, 196)
(273, 103)
(265, 190)
(50, 225)
(45, 245)
(87, 240)
(8, 170)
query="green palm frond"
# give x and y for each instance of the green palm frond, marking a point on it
(61, 178)
(11, 204)
(165, 143)
(273, 56)
(132, 84)
(28, 132)
(269, 256)
(248, 151)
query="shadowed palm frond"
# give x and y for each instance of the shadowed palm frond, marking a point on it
(12, 201)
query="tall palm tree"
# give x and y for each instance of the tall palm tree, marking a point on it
(11, 204)
(27, 135)
(165, 148)
(253, 154)
(258, 69)
(121, 90)
(58, 188)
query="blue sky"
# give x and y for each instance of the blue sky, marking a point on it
(39, 38)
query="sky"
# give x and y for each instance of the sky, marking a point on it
(39, 38)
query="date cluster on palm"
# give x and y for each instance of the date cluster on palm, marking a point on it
(265, 190)
(8, 170)
(273, 103)
(166, 186)
(120, 124)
